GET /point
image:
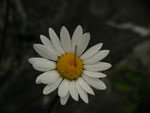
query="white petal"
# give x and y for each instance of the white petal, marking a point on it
(63, 100)
(65, 39)
(55, 40)
(45, 52)
(94, 74)
(51, 87)
(48, 77)
(85, 86)
(49, 44)
(63, 88)
(100, 66)
(83, 43)
(45, 40)
(76, 36)
(38, 80)
(94, 82)
(97, 57)
(73, 90)
(44, 66)
(81, 92)
(36, 59)
(91, 51)
(78, 32)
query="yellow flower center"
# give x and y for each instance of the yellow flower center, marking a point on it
(67, 68)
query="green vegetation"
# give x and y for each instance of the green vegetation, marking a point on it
(134, 86)
(148, 52)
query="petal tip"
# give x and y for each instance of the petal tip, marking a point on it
(30, 60)
(37, 81)
(41, 36)
(79, 26)
(35, 45)
(86, 101)
(77, 99)
(63, 27)
(92, 93)
(108, 51)
(104, 88)
(101, 44)
(110, 65)
(88, 34)
(50, 29)
(44, 93)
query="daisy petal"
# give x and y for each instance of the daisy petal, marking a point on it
(94, 74)
(85, 86)
(55, 40)
(51, 87)
(49, 44)
(38, 80)
(97, 57)
(100, 66)
(73, 90)
(45, 52)
(44, 66)
(45, 40)
(94, 82)
(63, 100)
(65, 39)
(82, 45)
(81, 92)
(63, 88)
(76, 36)
(36, 59)
(91, 51)
(48, 77)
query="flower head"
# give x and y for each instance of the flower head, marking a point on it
(67, 67)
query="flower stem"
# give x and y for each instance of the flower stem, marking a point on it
(75, 53)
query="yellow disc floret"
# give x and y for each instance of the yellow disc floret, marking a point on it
(67, 68)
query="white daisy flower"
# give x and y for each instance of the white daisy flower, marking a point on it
(66, 67)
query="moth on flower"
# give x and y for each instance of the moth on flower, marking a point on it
(67, 67)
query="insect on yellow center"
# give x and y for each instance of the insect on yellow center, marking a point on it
(69, 66)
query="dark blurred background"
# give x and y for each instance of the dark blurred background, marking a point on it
(122, 25)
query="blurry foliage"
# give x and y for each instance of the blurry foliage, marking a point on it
(130, 106)
(148, 52)
(134, 86)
